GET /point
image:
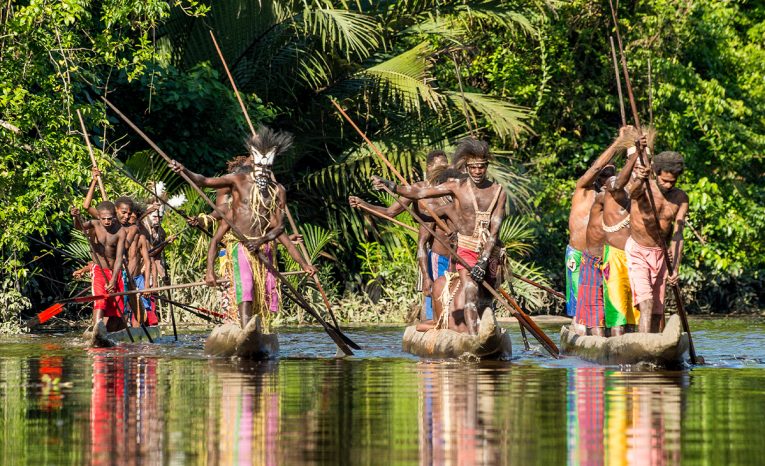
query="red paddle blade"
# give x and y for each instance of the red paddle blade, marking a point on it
(45, 315)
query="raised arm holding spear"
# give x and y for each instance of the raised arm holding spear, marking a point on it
(652, 229)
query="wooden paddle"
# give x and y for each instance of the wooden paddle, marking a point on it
(198, 310)
(340, 339)
(513, 307)
(649, 192)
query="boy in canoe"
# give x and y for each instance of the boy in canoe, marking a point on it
(107, 239)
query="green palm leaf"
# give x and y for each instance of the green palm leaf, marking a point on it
(505, 119)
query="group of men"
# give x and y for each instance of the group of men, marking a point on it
(458, 246)
(616, 273)
(127, 242)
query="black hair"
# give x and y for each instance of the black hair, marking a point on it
(470, 147)
(124, 200)
(106, 205)
(138, 209)
(670, 162)
(445, 175)
(432, 155)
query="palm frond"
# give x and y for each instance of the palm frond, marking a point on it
(349, 32)
(517, 187)
(515, 234)
(405, 78)
(78, 249)
(505, 119)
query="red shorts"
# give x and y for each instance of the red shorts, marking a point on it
(112, 307)
(471, 257)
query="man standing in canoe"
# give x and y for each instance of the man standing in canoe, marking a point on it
(621, 315)
(257, 206)
(432, 256)
(107, 239)
(586, 188)
(645, 257)
(481, 208)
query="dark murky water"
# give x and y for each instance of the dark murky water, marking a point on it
(168, 404)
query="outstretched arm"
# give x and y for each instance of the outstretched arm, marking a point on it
(390, 211)
(414, 191)
(225, 181)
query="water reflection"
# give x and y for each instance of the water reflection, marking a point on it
(63, 405)
(624, 418)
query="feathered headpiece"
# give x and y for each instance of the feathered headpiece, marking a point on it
(266, 144)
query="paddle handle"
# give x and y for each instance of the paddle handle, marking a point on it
(92, 155)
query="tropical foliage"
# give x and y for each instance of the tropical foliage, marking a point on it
(533, 77)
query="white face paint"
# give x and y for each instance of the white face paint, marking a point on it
(263, 160)
(154, 217)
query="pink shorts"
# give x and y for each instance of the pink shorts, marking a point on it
(647, 272)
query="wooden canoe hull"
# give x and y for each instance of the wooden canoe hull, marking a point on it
(666, 349)
(100, 338)
(229, 340)
(491, 342)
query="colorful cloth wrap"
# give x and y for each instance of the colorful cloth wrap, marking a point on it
(647, 272)
(112, 307)
(147, 303)
(573, 261)
(589, 306)
(617, 292)
(252, 282)
(437, 266)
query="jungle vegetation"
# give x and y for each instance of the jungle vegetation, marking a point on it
(534, 78)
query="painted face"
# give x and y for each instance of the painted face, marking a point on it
(107, 218)
(477, 170)
(123, 213)
(265, 160)
(154, 218)
(666, 181)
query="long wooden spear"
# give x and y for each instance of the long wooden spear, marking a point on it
(618, 82)
(92, 156)
(514, 308)
(340, 339)
(649, 193)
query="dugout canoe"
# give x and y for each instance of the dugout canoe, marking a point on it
(491, 342)
(667, 349)
(230, 340)
(100, 338)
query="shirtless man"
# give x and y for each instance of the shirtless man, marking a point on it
(581, 203)
(481, 207)
(645, 257)
(257, 206)
(107, 238)
(620, 314)
(432, 256)
(140, 264)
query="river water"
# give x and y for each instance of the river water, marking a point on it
(169, 404)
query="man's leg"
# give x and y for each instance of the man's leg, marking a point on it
(646, 313)
(245, 312)
(470, 310)
(617, 330)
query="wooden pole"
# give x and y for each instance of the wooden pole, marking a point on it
(307, 258)
(92, 156)
(618, 82)
(649, 192)
(340, 339)
(96, 297)
(233, 84)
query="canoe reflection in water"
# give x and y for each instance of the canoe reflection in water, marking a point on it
(125, 421)
(455, 418)
(245, 414)
(624, 418)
